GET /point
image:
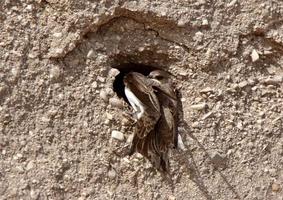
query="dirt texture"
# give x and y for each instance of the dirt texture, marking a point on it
(58, 109)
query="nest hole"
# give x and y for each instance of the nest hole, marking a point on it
(118, 84)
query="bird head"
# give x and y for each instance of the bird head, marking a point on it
(162, 83)
(160, 76)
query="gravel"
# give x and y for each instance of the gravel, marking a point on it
(58, 108)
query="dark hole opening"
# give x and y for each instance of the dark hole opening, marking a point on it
(118, 84)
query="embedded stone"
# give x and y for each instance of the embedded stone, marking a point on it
(117, 135)
(254, 55)
(200, 106)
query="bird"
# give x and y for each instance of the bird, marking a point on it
(166, 127)
(141, 96)
(166, 94)
(154, 102)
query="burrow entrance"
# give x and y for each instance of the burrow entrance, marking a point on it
(118, 84)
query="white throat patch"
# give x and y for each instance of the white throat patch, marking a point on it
(135, 102)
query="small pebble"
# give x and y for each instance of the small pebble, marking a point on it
(126, 160)
(29, 7)
(234, 86)
(30, 165)
(15, 71)
(124, 121)
(243, 84)
(239, 125)
(200, 106)
(198, 36)
(232, 3)
(115, 102)
(195, 124)
(112, 174)
(204, 22)
(58, 51)
(34, 194)
(58, 35)
(109, 116)
(103, 95)
(272, 172)
(107, 122)
(181, 23)
(170, 197)
(163, 12)
(138, 155)
(183, 73)
(267, 52)
(54, 72)
(254, 55)
(141, 49)
(183, 99)
(201, 2)
(181, 143)
(20, 169)
(206, 90)
(229, 152)
(90, 54)
(275, 187)
(262, 114)
(113, 72)
(272, 69)
(117, 135)
(198, 99)
(94, 85)
(109, 91)
(45, 119)
(3, 89)
(207, 115)
(101, 79)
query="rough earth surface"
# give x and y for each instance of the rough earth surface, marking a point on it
(58, 109)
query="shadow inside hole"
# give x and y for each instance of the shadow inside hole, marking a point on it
(118, 84)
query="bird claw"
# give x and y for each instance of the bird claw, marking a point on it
(121, 151)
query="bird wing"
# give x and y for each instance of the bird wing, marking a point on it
(165, 129)
(169, 115)
(147, 95)
(165, 135)
(142, 89)
(148, 147)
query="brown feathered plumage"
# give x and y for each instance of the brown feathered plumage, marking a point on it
(166, 127)
(141, 96)
(155, 131)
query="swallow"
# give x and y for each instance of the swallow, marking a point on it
(154, 102)
(141, 96)
(166, 135)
